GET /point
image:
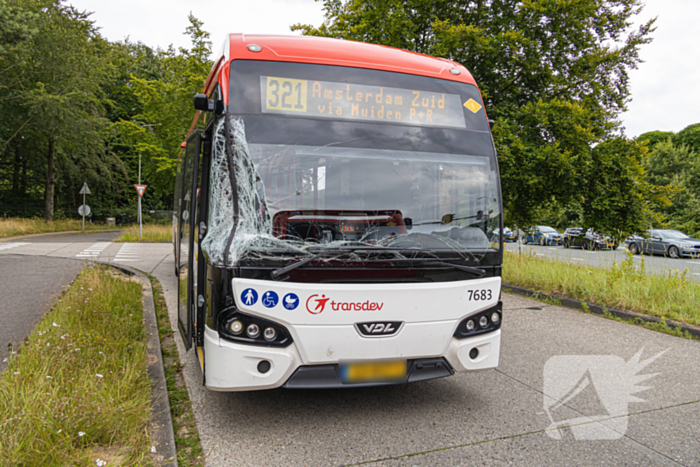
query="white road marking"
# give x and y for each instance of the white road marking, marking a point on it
(7, 246)
(94, 251)
(128, 252)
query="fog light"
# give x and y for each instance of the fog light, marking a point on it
(470, 325)
(236, 327)
(495, 318)
(253, 331)
(270, 334)
(483, 322)
(264, 366)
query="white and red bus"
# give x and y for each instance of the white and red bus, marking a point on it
(333, 209)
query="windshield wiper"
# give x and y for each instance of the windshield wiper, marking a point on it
(278, 272)
(469, 269)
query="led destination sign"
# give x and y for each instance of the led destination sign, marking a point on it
(343, 101)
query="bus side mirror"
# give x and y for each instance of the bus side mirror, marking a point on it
(201, 102)
(447, 218)
(492, 123)
(409, 223)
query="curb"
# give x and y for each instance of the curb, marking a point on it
(47, 234)
(161, 420)
(600, 310)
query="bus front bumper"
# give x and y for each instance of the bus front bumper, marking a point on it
(231, 366)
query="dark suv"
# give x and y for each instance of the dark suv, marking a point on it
(588, 239)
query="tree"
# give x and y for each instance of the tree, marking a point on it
(677, 168)
(690, 137)
(553, 74)
(165, 110)
(652, 138)
(57, 88)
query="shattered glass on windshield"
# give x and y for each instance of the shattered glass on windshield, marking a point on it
(335, 202)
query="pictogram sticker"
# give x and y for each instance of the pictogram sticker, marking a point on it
(472, 105)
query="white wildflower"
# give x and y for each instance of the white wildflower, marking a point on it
(81, 434)
(100, 463)
(16, 373)
(55, 325)
(153, 449)
(49, 377)
(59, 432)
(99, 375)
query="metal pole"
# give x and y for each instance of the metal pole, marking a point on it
(140, 217)
(83, 211)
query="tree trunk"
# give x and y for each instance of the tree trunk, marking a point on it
(16, 171)
(50, 172)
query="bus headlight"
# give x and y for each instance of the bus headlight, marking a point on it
(270, 334)
(488, 321)
(236, 326)
(246, 329)
(253, 330)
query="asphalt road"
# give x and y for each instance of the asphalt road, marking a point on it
(494, 417)
(29, 285)
(605, 258)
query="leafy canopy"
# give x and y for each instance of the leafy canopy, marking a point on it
(554, 76)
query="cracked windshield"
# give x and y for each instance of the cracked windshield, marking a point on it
(406, 170)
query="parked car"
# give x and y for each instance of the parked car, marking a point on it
(588, 239)
(543, 235)
(667, 242)
(508, 235)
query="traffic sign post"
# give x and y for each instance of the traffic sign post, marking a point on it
(84, 210)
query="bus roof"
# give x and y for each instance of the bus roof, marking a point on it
(328, 51)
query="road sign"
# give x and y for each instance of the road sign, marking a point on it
(85, 190)
(140, 189)
(84, 210)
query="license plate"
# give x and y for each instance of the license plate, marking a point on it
(373, 371)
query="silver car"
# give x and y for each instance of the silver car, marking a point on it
(667, 242)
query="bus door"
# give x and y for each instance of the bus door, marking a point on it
(187, 245)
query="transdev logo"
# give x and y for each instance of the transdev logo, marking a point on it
(316, 305)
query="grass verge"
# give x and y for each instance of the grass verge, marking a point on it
(12, 227)
(77, 392)
(625, 285)
(151, 233)
(189, 449)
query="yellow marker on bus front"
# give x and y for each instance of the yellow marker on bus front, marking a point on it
(472, 105)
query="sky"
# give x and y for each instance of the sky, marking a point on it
(665, 88)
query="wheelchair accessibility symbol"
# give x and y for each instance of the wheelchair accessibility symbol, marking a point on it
(270, 299)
